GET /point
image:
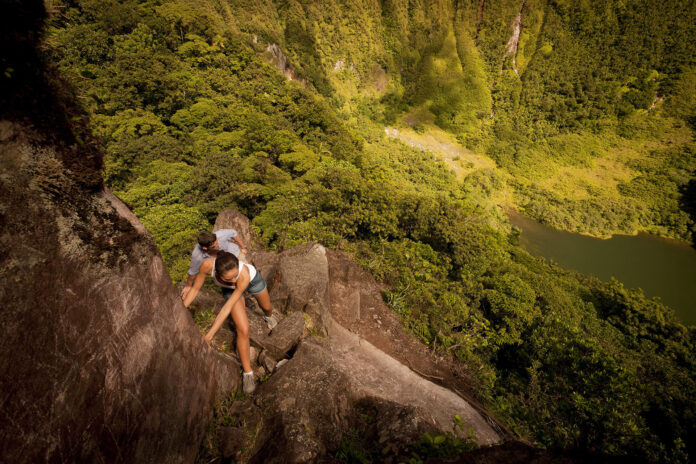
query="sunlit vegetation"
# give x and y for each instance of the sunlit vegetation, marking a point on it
(195, 120)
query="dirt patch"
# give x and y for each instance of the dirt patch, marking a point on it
(461, 160)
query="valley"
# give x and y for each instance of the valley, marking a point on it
(400, 133)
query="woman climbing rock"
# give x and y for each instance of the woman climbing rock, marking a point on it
(235, 278)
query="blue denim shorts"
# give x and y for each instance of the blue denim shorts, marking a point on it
(256, 286)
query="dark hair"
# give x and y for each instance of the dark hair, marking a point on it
(205, 239)
(224, 262)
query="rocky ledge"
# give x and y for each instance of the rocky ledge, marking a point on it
(329, 365)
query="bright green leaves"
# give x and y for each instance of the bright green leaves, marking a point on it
(82, 45)
(133, 137)
(200, 54)
(128, 123)
(175, 227)
(639, 94)
(187, 17)
(299, 161)
(417, 276)
(156, 198)
(509, 303)
(328, 203)
(140, 39)
(158, 183)
(683, 101)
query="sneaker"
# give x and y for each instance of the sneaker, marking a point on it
(271, 321)
(248, 384)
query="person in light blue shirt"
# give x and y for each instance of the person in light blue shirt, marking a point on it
(209, 243)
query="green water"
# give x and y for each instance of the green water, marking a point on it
(662, 267)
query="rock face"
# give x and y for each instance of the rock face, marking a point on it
(301, 283)
(99, 360)
(277, 58)
(307, 409)
(359, 363)
(233, 219)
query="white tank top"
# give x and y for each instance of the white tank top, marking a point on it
(252, 274)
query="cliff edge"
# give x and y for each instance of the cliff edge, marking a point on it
(99, 360)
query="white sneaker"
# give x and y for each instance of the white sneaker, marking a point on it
(248, 384)
(271, 321)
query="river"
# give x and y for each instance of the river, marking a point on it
(662, 267)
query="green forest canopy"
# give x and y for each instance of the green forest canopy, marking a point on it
(194, 120)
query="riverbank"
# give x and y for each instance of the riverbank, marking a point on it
(512, 210)
(599, 185)
(662, 267)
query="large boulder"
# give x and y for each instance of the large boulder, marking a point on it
(342, 386)
(308, 406)
(299, 281)
(233, 219)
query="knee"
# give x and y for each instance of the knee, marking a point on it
(243, 330)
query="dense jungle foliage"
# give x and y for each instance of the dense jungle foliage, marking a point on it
(589, 123)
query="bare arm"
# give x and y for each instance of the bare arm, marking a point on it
(242, 248)
(198, 280)
(242, 284)
(189, 283)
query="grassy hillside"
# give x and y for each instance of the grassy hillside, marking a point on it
(405, 128)
(612, 78)
(595, 100)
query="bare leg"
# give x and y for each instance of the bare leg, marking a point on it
(241, 322)
(264, 301)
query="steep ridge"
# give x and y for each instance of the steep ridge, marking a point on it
(313, 399)
(99, 360)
